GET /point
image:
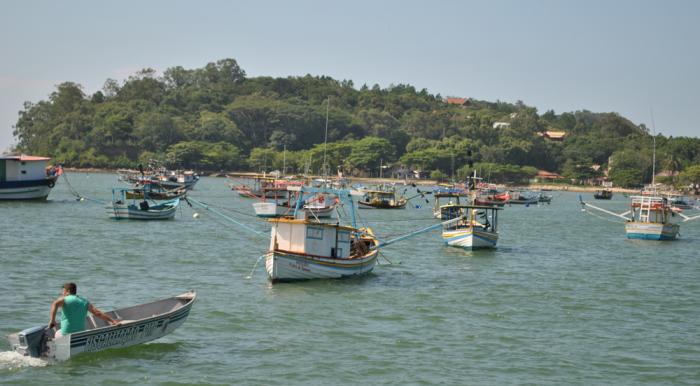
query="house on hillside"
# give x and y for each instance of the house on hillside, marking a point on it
(501, 125)
(545, 176)
(462, 102)
(554, 135)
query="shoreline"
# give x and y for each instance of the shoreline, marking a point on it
(373, 180)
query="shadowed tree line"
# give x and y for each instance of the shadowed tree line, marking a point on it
(216, 118)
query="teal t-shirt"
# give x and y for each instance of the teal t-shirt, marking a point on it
(73, 314)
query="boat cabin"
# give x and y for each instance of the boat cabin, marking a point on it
(650, 209)
(22, 168)
(481, 216)
(298, 236)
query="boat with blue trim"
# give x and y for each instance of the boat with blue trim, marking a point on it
(140, 209)
(26, 177)
(139, 324)
(470, 226)
(650, 217)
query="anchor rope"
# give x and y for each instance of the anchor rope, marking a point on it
(74, 192)
(226, 217)
(603, 218)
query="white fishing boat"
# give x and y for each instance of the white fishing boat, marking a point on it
(454, 197)
(139, 324)
(303, 247)
(649, 218)
(471, 227)
(25, 177)
(140, 209)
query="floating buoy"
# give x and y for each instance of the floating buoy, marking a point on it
(195, 215)
(82, 199)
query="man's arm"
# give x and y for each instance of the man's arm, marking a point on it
(54, 307)
(102, 315)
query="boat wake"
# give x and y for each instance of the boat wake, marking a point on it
(10, 360)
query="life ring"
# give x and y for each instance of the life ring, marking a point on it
(51, 184)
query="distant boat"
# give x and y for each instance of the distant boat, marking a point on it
(380, 199)
(523, 198)
(26, 177)
(123, 208)
(139, 324)
(649, 218)
(604, 194)
(471, 226)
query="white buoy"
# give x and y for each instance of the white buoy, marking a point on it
(195, 215)
(82, 199)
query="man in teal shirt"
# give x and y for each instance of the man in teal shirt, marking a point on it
(74, 311)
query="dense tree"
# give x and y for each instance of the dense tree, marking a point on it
(215, 117)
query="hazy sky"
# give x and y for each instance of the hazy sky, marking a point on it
(623, 56)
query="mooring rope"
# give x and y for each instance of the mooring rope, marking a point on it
(226, 217)
(80, 197)
(603, 218)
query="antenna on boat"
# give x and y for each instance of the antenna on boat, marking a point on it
(653, 154)
(325, 140)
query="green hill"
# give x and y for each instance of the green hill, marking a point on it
(216, 118)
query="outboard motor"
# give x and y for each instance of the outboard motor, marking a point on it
(32, 341)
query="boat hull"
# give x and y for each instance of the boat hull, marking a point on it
(26, 190)
(367, 205)
(151, 321)
(269, 209)
(287, 266)
(470, 238)
(651, 231)
(165, 211)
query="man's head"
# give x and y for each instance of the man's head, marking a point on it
(70, 289)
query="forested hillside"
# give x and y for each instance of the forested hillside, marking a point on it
(216, 118)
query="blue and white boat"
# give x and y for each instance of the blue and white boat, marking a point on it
(470, 226)
(139, 324)
(140, 209)
(649, 218)
(25, 177)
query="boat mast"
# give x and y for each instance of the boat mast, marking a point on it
(653, 154)
(325, 140)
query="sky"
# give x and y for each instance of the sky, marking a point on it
(637, 58)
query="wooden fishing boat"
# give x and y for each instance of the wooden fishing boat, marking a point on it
(139, 324)
(303, 247)
(25, 177)
(603, 194)
(123, 208)
(649, 218)
(379, 199)
(471, 226)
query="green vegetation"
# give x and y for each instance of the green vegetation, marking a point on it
(215, 118)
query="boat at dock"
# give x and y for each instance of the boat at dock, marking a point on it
(139, 324)
(471, 226)
(26, 177)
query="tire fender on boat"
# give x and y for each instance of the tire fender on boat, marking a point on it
(51, 184)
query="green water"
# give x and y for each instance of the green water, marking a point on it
(565, 299)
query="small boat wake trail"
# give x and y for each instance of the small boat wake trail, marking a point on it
(10, 360)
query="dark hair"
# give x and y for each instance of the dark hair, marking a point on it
(71, 287)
